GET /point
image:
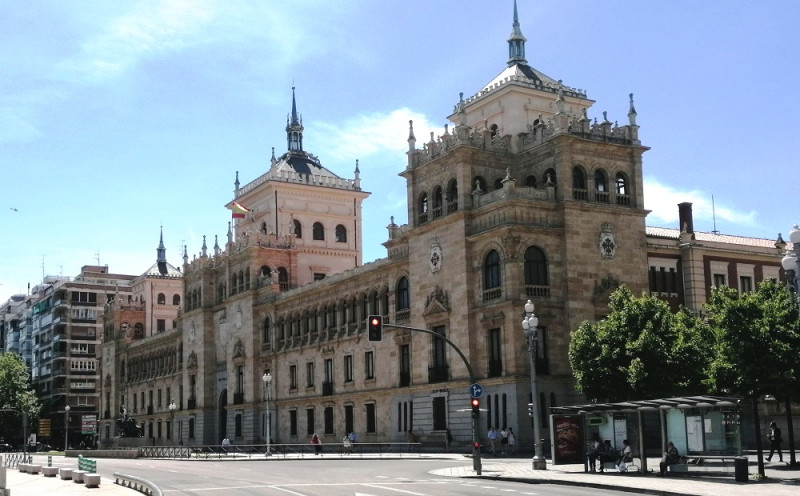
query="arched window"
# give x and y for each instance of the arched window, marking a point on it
(498, 183)
(341, 234)
(422, 208)
(438, 202)
(298, 228)
(536, 281)
(318, 232)
(493, 128)
(283, 279)
(491, 270)
(600, 186)
(241, 281)
(600, 181)
(176, 299)
(265, 271)
(452, 196)
(161, 299)
(264, 227)
(530, 181)
(233, 283)
(622, 184)
(402, 299)
(579, 184)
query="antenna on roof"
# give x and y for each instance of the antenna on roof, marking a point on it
(97, 256)
(714, 215)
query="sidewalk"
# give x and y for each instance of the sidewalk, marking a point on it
(781, 480)
(23, 484)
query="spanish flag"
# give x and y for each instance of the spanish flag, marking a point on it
(238, 211)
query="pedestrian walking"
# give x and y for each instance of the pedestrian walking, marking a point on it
(775, 441)
(511, 441)
(317, 443)
(492, 435)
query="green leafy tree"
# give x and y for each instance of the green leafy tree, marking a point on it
(755, 345)
(16, 395)
(640, 350)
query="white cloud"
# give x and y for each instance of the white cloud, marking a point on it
(371, 134)
(663, 201)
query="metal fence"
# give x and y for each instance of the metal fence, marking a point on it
(233, 451)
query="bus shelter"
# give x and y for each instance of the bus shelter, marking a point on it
(697, 425)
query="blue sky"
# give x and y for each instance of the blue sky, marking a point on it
(119, 117)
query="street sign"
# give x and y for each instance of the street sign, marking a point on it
(44, 427)
(475, 390)
(88, 424)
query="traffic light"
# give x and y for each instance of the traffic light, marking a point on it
(530, 410)
(375, 327)
(476, 408)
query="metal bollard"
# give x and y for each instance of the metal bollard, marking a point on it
(49, 460)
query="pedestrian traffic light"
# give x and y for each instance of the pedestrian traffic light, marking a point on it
(375, 327)
(530, 410)
(476, 408)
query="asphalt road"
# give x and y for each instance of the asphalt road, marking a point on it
(322, 477)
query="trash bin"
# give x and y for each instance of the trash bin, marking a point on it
(740, 468)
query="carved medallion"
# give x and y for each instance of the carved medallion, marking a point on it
(435, 260)
(608, 243)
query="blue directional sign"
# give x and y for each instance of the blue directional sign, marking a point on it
(475, 390)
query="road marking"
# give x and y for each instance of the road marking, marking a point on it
(382, 486)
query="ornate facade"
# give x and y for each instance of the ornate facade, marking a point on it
(524, 197)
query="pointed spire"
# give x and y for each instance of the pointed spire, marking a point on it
(216, 245)
(357, 177)
(205, 248)
(412, 140)
(273, 160)
(294, 128)
(161, 252)
(516, 42)
(236, 182)
(185, 256)
(230, 233)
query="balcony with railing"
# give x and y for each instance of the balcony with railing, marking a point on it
(537, 291)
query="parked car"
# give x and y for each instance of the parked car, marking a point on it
(5, 448)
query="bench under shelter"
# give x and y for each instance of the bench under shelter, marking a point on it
(698, 426)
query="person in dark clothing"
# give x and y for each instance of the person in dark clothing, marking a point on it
(670, 457)
(774, 441)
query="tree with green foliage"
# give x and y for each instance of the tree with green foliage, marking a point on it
(756, 343)
(16, 395)
(640, 350)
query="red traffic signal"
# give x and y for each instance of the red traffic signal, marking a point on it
(476, 407)
(375, 327)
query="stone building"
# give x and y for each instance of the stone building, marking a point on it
(141, 354)
(523, 197)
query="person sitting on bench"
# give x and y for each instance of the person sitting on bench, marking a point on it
(625, 456)
(671, 457)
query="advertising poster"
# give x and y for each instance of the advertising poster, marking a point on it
(568, 439)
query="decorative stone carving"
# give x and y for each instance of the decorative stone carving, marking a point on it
(238, 350)
(191, 361)
(435, 260)
(607, 241)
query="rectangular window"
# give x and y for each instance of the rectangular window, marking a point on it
(240, 379)
(292, 376)
(745, 284)
(405, 365)
(328, 419)
(348, 368)
(310, 375)
(191, 427)
(159, 400)
(318, 276)
(192, 387)
(369, 365)
(348, 418)
(719, 280)
(310, 421)
(439, 356)
(161, 325)
(439, 413)
(292, 422)
(238, 425)
(328, 370)
(370, 420)
(495, 357)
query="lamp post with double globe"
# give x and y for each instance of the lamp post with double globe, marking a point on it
(172, 407)
(530, 325)
(66, 429)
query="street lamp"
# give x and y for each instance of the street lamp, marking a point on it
(791, 265)
(172, 407)
(530, 325)
(66, 429)
(267, 380)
